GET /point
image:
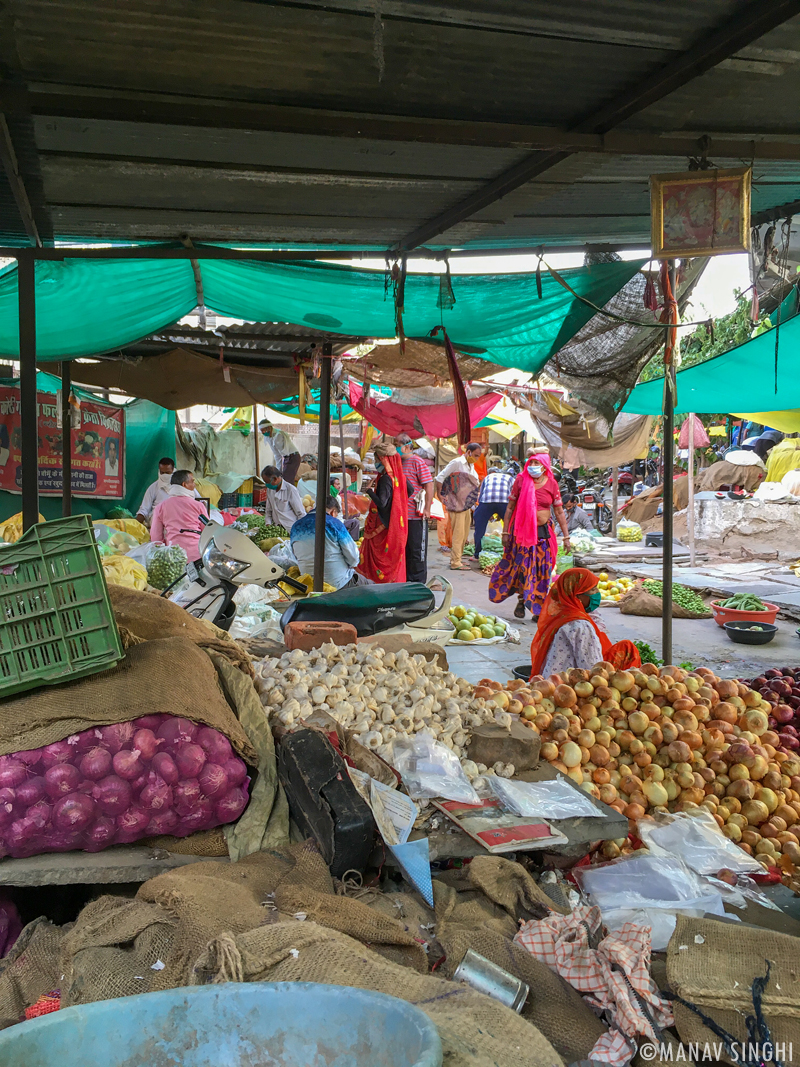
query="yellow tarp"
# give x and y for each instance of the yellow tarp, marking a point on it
(120, 570)
(209, 491)
(784, 457)
(785, 421)
(128, 526)
(241, 419)
(11, 529)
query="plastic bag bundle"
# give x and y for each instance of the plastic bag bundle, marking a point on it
(112, 785)
(628, 531)
(120, 570)
(165, 565)
(430, 769)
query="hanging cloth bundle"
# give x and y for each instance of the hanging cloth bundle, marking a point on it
(459, 392)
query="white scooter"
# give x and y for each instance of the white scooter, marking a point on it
(228, 559)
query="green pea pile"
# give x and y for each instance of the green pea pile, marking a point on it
(687, 598)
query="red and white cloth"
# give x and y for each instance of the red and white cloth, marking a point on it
(604, 974)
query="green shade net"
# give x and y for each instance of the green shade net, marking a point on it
(741, 379)
(93, 306)
(291, 406)
(149, 435)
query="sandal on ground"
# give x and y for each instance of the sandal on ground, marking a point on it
(463, 567)
(519, 610)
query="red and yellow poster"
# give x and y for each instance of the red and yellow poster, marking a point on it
(98, 447)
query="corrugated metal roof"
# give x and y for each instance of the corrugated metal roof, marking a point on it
(122, 136)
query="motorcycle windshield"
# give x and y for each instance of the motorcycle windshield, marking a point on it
(371, 608)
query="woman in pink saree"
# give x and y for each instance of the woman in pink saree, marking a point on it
(529, 539)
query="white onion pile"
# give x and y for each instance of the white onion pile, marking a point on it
(381, 696)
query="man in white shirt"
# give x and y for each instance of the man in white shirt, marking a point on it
(284, 505)
(287, 458)
(157, 491)
(462, 485)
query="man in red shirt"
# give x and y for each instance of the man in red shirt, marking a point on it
(419, 477)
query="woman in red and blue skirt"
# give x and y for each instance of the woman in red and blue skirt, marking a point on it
(529, 538)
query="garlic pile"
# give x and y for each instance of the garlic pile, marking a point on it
(380, 696)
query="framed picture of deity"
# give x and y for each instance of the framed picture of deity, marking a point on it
(700, 213)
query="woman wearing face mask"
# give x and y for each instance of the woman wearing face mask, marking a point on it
(529, 539)
(567, 636)
(383, 549)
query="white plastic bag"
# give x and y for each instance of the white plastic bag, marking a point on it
(282, 555)
(697, 840)
(429, 769)
(544, 800)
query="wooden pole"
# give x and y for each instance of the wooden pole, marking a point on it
(691, 490)
(341, 448)
(66, 438)
(256, 442)
(29, 415)
(614, 499)
(323, 465)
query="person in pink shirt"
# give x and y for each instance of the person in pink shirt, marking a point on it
(176, 520)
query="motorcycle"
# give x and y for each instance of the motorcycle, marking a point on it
(591, 500)
(228, 559)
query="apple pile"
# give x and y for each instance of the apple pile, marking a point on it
(657, 740)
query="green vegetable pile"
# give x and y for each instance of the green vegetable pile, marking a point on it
(119, 513)
(257, 529)
(165, 566)
(491, 543)
(745, 602)
(489, 559)
(564, 560)
(648, 655)
(687, 598)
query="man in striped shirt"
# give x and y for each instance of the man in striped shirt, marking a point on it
(492, 503)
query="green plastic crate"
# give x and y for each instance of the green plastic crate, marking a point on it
(56, 621)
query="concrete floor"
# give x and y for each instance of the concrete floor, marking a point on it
(701, 642)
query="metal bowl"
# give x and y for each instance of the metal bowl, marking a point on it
(743, 633)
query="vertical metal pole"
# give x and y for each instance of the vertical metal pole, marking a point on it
(323, 465)
(66, 438)
(614, 499)
(691, 490)
(26, 279)
(668, 454)
(341, 448)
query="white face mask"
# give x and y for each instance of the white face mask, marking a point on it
(535, 472)
(165, 478)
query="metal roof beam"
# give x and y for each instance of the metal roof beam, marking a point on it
(8, 158)
(751, 23)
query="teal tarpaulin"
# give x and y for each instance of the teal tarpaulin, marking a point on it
(149, 435)
(741, 379)
(85, 307)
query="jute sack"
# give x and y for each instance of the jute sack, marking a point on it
(479, 907)
(639, 602)
(151, 617)
(475, 1030)
(30, 970)
(114, 949)
(207, 899)
(171, 676)
(712, 965)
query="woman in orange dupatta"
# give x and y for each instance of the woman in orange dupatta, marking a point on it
(383, 550)
(568, 636)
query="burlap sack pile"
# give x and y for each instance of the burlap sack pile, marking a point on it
(151, 617)
(475, 1030)
(639, 602)
(115, 943)
(479, 908)
(712, 965)
(170, 675)
(116, 947)
(30, 970)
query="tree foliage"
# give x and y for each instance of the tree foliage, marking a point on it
(729, 331)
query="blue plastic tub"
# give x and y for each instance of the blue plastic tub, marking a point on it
(253, 1024)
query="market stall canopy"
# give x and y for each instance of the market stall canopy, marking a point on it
(746, 377)
(87, 307)
(180, 379)
(414, 363)
(417, 420)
